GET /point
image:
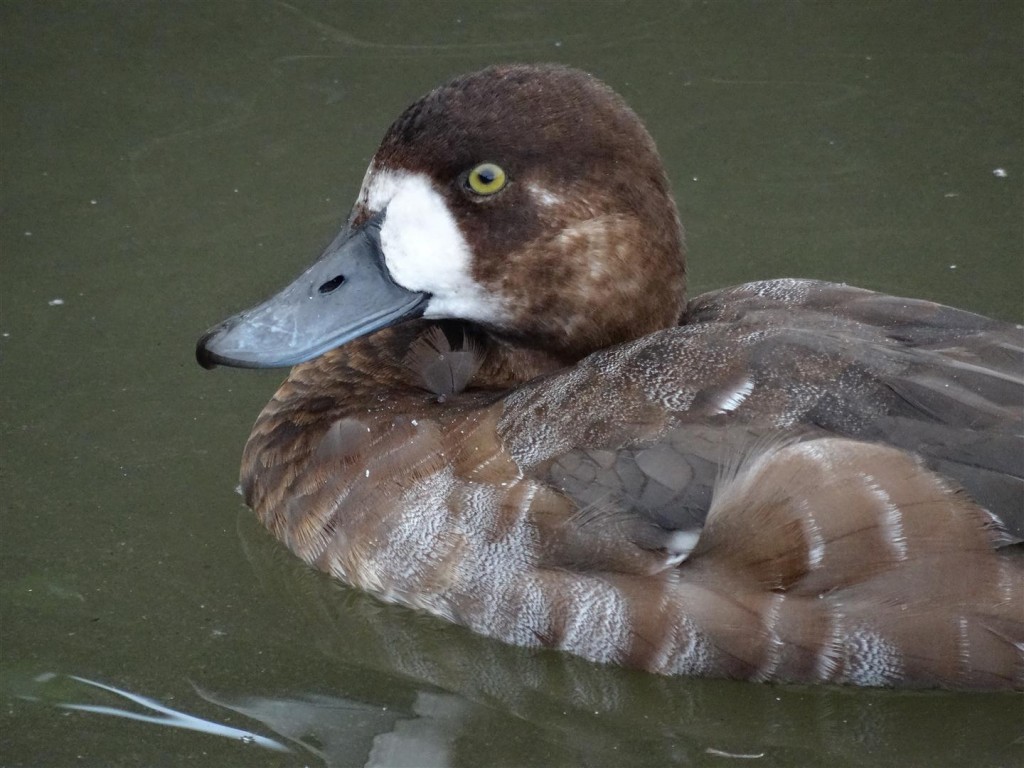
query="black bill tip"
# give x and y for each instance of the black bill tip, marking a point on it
(205, 357)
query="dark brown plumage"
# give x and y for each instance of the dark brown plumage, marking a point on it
(764, 483)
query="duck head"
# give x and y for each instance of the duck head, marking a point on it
(528, 201)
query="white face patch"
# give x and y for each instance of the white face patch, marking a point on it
(424, 249)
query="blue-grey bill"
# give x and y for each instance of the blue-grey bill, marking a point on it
(346, 294)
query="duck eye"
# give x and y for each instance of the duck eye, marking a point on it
(486, 179)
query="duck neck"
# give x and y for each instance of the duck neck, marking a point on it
(384, 361)
(373, 375)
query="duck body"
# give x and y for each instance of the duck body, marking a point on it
(527, 431)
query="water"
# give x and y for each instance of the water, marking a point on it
(165, 164)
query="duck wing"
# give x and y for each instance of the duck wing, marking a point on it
(849, 561)
(648, 428)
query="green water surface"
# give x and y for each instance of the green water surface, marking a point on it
(167, 163)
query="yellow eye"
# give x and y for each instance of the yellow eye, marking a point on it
(486, 179)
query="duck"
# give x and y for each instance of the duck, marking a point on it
(503, 410)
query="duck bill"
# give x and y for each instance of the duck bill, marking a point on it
(346, 294)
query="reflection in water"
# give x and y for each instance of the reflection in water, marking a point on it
(342, 732)
(373, 685)
(472, 698)
(165, 716)
(338, 731)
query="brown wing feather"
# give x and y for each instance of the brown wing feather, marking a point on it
(664, 414)
(868, 568)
